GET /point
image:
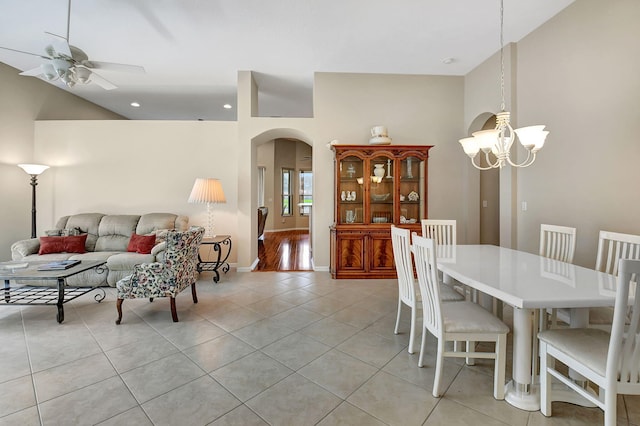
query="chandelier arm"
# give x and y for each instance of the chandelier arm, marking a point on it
(477, 166)
(492, 165)
(531, 157)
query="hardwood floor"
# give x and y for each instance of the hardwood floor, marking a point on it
(285, 251)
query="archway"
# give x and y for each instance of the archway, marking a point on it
(489, 187)
(282, 153)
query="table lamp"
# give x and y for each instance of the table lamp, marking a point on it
(207, 190)
(34, 170)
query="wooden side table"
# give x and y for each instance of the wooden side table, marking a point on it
(215, 259)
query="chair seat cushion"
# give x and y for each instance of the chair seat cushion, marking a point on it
(449, 294)
(467, 317)
(589, 346)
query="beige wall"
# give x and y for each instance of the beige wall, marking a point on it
(135, 167)
(576, 74)
(579, 75)
(23, 100)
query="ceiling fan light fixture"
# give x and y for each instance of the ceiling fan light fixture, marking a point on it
(82, 75)
(48, 72)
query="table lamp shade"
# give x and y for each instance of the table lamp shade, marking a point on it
(207, 190)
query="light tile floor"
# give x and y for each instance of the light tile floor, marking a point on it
(259, 348)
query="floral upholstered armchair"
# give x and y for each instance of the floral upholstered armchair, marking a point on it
(168, 277)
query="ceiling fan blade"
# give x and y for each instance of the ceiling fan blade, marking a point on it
(60, 45)
(22, 51)
(110, 66)
(102, 82)
(32, 72)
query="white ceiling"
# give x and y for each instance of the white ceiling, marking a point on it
(192, 49)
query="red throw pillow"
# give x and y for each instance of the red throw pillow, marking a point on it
(141, 243)
(70, 244)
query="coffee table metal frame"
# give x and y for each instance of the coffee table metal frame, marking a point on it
(43, 295)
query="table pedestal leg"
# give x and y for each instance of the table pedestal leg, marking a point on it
(521, 392)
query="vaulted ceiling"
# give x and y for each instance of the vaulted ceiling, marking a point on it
(191, 50)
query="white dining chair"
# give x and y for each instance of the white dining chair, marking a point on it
(455, 322)
(612, 246)
(442, 231)
(407, 293)
(609, 360)
(558, 243)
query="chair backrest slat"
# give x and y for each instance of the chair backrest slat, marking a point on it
(443, 231)
(404, 266)
(424, 252)
(613, 246)
(558, 242)
(623, 358)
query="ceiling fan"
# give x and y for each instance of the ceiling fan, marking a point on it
(70, 64)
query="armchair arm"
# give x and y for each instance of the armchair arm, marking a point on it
(24, 248)
(158, 248)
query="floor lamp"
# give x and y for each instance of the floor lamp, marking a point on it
(34, 170)
(207, 190)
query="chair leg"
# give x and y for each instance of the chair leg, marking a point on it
(412, 333)
(423, 344)
(119, 308)
(174, 314)
(193, 293)
(471, 346)
(545, 382)
(395, 331)
(439, 366)
(610, 414)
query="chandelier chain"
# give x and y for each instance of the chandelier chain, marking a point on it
(502, 104)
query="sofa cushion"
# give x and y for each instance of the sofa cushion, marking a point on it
(115, 231)
(126, 261)
(151, 222)
(87, 223)
(71, 244)
(141, 243)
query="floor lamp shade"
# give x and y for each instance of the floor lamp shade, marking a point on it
(34, 170)
(209, 191)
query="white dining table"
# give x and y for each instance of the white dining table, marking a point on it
(527, 282)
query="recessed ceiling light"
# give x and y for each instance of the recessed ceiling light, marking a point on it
(135, 104)
(448, 61)
(227, 106)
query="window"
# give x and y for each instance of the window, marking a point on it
(287, 192)
(306, 191)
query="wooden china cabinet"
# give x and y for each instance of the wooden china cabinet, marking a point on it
(375, 186)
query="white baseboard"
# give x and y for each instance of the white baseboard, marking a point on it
(250, 268)
(305, 228)
(321, 268)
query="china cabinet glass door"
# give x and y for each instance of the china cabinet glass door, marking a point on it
(412, 190)
(351, 190)
(381, 189)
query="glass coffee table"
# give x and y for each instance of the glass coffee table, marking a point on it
(57, 294)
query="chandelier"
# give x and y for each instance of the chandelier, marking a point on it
(498, 141)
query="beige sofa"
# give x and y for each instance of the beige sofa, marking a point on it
(107, 239)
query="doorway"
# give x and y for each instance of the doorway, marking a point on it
(286, 190)
(489, 197)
